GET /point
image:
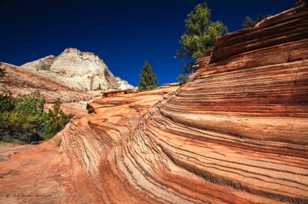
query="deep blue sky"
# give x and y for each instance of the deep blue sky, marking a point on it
(124, 33)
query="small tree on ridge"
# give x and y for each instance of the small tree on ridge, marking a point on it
(147, 79)
(199, 37)
(200, 32)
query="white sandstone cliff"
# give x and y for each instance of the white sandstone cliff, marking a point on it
(78, 70)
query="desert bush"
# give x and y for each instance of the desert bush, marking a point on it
(56, 120)
(7, 102)
(23, 119)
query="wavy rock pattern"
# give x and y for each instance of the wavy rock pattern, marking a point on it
(237, 133)
(67, 169)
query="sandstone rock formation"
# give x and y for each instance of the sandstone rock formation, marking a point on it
(66, 169)
(20, 82)
(76, 69)
(237, 133)
(74, 77)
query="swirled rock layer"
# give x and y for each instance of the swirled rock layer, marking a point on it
(236, 133)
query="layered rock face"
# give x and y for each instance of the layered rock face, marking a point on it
(237, 133)
(79, 70)
(20, 82)
(74, 167)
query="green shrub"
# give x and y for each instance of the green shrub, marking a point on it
(56, 120)
(7, 102)
(23, 120)
(30, 104)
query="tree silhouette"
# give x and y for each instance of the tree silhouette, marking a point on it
(147, 79)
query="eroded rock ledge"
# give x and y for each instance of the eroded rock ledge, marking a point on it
(237, 133)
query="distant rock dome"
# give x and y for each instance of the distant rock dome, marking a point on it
(78, 70)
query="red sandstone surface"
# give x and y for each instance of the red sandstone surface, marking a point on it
(236, 133)
(66, 169)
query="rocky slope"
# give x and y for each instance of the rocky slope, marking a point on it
(78, 70)
(66, 169)
(20, 82)
(237, 133)
(74, 77)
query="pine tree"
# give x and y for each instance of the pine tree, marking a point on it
(148, 80)
(200, 32)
